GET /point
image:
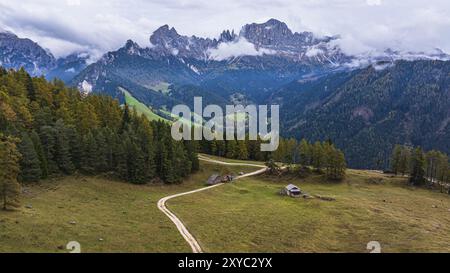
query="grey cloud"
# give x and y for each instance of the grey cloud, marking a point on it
(106, 25)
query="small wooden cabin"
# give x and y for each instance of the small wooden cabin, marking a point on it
(214, 179)
(292, 191)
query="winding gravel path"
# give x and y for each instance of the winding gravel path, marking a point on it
(182, 228)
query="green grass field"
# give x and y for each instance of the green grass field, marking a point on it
(245, 216)
(140, 107)
(125, 216)
(250, 216)
(182, 119)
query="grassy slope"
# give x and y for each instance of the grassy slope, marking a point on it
(246, 216)
(182, 119)
(249, 216)
(124, 215)
(140, 107)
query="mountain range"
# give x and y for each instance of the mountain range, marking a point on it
(18, 52)
(365, 103)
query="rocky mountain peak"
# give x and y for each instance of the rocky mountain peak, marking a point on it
(270, 33)
(17, 52)
(131, 47)
(4, 34)
(227, 36)
(164, 36)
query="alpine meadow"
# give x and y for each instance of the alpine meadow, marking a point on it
(95, 156)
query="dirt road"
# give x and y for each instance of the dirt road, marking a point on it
(182, 228)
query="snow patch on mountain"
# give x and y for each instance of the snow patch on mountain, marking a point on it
(313, 51)
(86, 87)
(194, 68)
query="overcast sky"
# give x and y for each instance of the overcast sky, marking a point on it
(65, 26)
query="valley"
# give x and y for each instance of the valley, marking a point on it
(319, 127)
(385, 99)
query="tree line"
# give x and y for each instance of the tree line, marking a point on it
(322, 156)
(48, 129)
(422, 167)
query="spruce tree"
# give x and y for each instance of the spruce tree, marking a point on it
(181, 163)
(120, 158)
(304, 152)
(405, 160)
(242, 152)
(135, 163)
(76, 146)
(90, 158)
(318, 156)
(102, 152)
(150, 165)
(9, 162)
(396, 159)
(30, 170)
(48, 141)
(191, 151)
(231, 148)
(62, 148)
(40, 153)
(417, 167)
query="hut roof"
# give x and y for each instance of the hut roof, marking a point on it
(212, 178)
(292, 187)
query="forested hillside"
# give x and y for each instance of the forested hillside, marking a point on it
(59, 131)
(366, 112)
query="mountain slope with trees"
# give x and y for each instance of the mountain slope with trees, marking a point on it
(366, 112)
(48, 129)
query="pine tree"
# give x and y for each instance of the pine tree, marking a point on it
(30, 170)
(221, 149)
(150, 165)
(9, 162)
(231, 148)
(120, 156)
(102, 152)
(305, 152)
(48, 141)
(417, 168)
(183, 164)
(111, 142)
(318, 156)
(405, 160)
(90, 156)
(213, 147)
(62, 148)
(340, 166)
(191, 153)
(291, 151)
(242, 152)
(126, 118)
(396, 158)
(40, 153)
(135, 164)
(76, 146)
